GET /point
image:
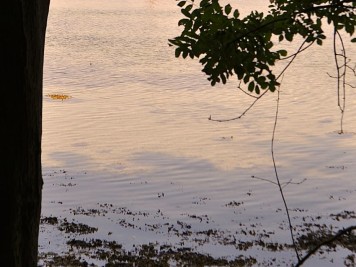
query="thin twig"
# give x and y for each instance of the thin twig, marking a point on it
(290, 182)
(264, 179)
(300, 49)
(283, 184)
(343, 79)
(277, 177)
(350, 85)
(243, 113)
(250, 95)
(352, 69)
(340, 75)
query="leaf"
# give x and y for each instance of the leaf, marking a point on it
(239, 72)
(283, 53)
(223, 78)
(350, 28)
(257, 89)
(189, 7)
(272, 88)
(251, 86)
(183, 22)
(228, 9)
(181, 3)
(340, 26)
(264, 85)
(261, 79)
(177, 52)
(246, 78)
(185, 12)
(289, 36)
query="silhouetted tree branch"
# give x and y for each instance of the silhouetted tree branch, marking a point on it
(326, 242)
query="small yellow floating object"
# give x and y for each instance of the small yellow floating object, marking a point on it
(59, 96)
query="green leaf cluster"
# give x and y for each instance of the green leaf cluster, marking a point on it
(228, 44)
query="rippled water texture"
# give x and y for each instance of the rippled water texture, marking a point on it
(135, 132)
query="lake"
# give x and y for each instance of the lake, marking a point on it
(134, 135)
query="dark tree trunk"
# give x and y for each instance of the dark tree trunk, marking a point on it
(22, 36)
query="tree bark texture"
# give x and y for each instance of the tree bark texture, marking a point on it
(22, 38)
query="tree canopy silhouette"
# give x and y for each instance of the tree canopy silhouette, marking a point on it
(228, 44)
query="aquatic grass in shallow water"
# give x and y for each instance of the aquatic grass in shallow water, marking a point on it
(59, 96)
(83, 249)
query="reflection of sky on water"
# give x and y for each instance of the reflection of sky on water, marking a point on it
(139, 115)
(178, 188)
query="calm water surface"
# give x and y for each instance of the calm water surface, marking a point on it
(135, 132)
